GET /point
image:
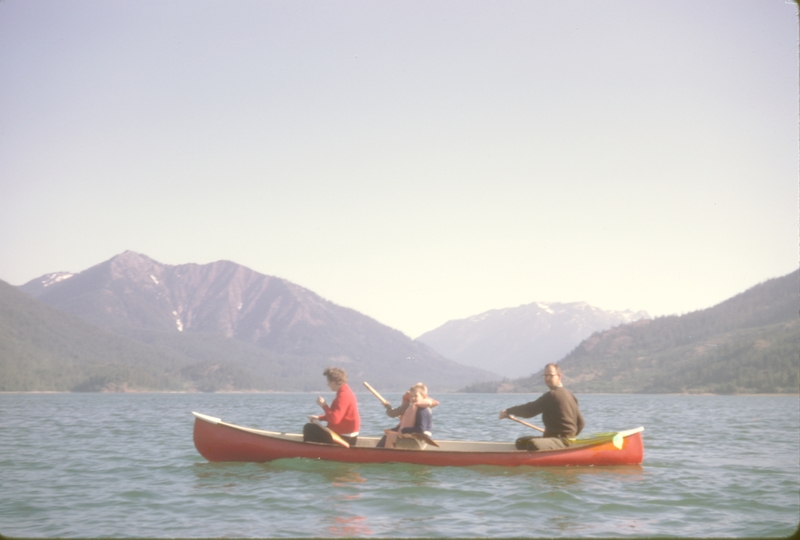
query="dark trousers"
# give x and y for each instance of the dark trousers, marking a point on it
(533, 444)
(315, 433)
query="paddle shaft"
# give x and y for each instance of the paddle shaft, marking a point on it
(515, 419)
(375, 393)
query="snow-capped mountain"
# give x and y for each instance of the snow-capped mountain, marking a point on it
(519, 341)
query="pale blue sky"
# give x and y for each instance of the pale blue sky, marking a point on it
(415, 161)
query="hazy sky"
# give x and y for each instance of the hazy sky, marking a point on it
(416, 161)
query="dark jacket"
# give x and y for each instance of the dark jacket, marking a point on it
(559, 410)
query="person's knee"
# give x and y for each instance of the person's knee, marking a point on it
(526, 443)
(312, 433)
(535, 444)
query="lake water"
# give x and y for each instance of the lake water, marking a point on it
(124, 465)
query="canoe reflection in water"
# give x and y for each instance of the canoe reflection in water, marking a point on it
(349, 526)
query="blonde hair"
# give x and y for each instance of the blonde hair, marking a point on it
(422, 389)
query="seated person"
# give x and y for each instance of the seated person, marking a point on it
(562, 418)
(415, 416)
(342, 415)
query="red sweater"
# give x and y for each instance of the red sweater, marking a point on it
(342, 415)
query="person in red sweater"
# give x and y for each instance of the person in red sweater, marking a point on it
(341, 416)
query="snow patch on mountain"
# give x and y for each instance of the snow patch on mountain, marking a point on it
(50, 279)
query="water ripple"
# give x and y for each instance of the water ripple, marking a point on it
(122, 466)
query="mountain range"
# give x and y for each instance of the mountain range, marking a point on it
(131, 323)
(521, 340)
(266, 333)
(749, 343)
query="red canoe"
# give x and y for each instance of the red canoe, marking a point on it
(219, 441)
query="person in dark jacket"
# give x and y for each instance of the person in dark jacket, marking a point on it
(560, 413)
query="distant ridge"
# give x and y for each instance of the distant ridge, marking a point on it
(241, 310)
(517, 341)
(749, 343)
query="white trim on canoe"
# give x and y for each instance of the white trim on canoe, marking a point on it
(630, 432)
(209, 419)
(279, 434)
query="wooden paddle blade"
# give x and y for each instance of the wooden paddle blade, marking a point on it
(617, 440)
(425, 437)
(335, 436)
(338, 440)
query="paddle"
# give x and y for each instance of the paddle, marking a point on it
(515, 419)
(376, 394)
(425, 437)
(335, 436)
(616, 439)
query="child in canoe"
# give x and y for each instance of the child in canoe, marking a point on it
(415, 416)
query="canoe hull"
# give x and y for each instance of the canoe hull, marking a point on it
(220, 441)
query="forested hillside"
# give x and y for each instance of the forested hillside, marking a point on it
(42, 348)
(45, 349)
(241, 330)
(747, 344)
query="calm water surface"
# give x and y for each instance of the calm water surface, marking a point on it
(124, 465)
